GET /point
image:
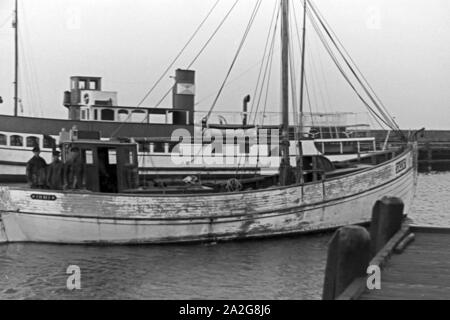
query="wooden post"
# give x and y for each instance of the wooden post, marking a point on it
(387, 218)
(348, 259)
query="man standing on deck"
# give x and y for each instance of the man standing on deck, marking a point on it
(36, 167)
(74, 170)
(55, 173)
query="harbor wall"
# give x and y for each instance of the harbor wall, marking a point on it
(434, 147)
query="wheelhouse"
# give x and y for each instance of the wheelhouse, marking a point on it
(108, 166)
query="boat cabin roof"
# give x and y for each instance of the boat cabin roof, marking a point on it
(100, 143)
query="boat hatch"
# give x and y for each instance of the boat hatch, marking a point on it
(109, 167)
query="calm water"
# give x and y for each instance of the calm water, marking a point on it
(270, 269)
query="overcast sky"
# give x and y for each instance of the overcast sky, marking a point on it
(402, 46)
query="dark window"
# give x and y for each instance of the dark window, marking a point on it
(159, 147)
(16, 141)
(107, 115)
(49, 142)
(332, 148)
(3, 140)
(32, 142)
(106, 103)
(143, 147)
(95, 114)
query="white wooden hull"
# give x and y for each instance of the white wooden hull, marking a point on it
(56, 217)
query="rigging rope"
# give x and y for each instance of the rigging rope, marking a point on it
(201, 50)
(241, 45)
(193, 61)
(179, 54)
(387, 119)
(266, 47)
(342, 71)
(354, 64)
(268, 68)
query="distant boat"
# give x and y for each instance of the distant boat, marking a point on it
(308, 193)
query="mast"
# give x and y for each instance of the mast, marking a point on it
(285, 168)
(302, 79)
(302, 90)
(16, 60)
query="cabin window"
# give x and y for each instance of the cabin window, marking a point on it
(138, 116)
(143, 147)
(83, 114)
(82, 84)
(216, 145)
(112, 156)
(49, 142)
(350, 147)
(333, 148)
(159, 147)
(244, 146)
(93, 85)
(3, 140)
(130, 157)
(89, 157)
(274, 151)
(32, 142)
(16, 141)
(95, 114)
(366, 146)
(123, 115)
(107, 115)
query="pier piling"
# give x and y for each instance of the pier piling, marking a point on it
(348, 259)
(387, 218)
(412, 261)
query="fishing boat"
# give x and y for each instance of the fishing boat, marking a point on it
(308, 193)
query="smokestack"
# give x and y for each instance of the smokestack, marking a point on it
(184, 96)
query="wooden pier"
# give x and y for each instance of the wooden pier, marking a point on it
(422, 271)
(414, 261)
